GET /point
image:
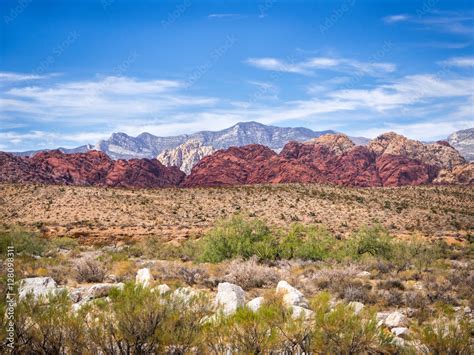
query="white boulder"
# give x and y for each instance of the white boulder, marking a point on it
(229, 297)
(395, 319)
(400, 331)
(291, 296)
(300, 312)
(144, 277)
(356, 306)
(162, 289)
(38, 286)
(255, 304)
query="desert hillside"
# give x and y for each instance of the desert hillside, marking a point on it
(94, 214)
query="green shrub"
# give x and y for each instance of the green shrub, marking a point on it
(373, 241)
(24, 242)
(341, 331)
(238, 238)
(446, 336)
(47, 326)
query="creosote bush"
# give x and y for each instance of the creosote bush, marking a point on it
(137, 320)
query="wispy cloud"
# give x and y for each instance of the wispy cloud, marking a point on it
(18, 77)
(396, 18)
(313, 64)
(225, 16)
(462, 62)
(441, 21)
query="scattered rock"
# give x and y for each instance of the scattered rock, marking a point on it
(38, 286)
(255, 304)
(300, 312)
(395, 319)
(101, 290)
(144, 277)
(291, 296)
(356, 306)
(229, 297)
(162, 289)
(400, 331)
(184, 293)
(363, 274)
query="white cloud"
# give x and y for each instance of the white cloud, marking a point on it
(100, 100)
(396, 18)
(18, 77)
(311, 65)
(459, 23)
(462, 62)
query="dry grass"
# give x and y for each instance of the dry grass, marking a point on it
(174, 214)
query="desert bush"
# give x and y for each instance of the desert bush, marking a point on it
(89, 270)
(373, 241)
(238, 238)
(47, 326)
(131, 323)
(250, 274)
(124, 270)
(445, 336)
(341, 331)
(24, 242)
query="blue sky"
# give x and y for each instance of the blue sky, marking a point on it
(73, 72)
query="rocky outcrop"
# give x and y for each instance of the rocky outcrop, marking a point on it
(441, 155)
(389, 160)
(463, 141)
(91, 168)
(461, 175)
(186, 155)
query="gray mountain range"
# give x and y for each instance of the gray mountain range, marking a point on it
(463, 141)
(145, 145)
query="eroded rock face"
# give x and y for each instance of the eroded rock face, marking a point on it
(462, 174)
(389, 160)
(186, 155)
(91, 168)
(439, 154)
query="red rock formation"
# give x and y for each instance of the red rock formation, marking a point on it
(91, 168)
(329, 159)
(143, 173)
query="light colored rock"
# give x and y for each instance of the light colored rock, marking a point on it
(291, 296)
(255, 304)
(76, 294)
(363, 274)
(186, 155)
(162, 289)
(144, 277)
(400, 331)
(399, 341)
(395, 319)
(184, 293)
(300, 312)
(356, 306)
(100, 290)
(229, 297)
(38, 286)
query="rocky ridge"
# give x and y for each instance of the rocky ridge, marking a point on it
(91, 168)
